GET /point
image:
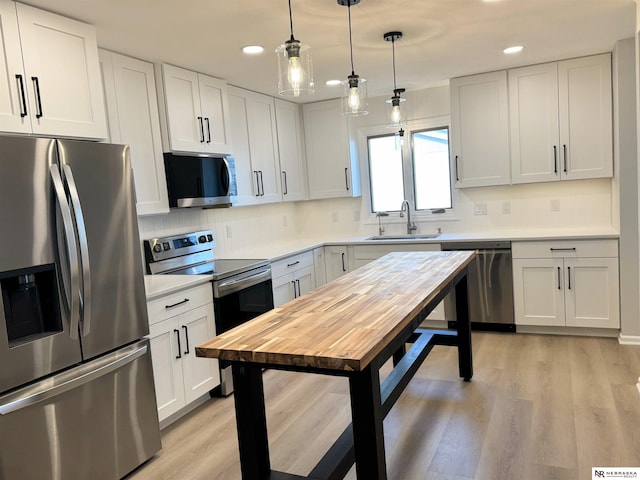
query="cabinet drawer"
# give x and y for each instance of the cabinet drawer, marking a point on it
(291, 264)
(565, 249)
(175, 304)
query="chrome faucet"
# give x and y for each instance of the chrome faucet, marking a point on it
(380, 227)
(411, 226)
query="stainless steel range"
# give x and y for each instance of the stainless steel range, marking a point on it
(242, 288)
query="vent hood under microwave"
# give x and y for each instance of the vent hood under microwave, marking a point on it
(205, 182)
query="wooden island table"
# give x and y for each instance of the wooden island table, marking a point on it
(349, 327)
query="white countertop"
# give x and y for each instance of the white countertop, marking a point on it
(160, 285)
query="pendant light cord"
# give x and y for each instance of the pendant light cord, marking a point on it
(393, 49)
(291, 20)
(350, 41)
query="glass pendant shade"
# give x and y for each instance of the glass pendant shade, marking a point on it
(295, 70)
(354, 96)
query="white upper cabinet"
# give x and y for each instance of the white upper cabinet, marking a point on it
(561, 120)
(51, 75)
(293, 165)
(132, 109)
(194, 111)
(253, 133)
(480, 130)
(332, 158)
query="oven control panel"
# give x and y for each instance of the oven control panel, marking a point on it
(156, 249)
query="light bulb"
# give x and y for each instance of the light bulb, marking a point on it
(295, 75)
(395, 114)
(354, 99)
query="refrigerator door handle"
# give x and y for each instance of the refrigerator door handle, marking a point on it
(89, 374)
(74, 270)
(84, 250)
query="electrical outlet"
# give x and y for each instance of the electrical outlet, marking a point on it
(334, 217)
(480, 208)
(506, 208)
(554, 205)
(229, 231)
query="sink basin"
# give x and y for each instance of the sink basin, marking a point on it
(417, 236)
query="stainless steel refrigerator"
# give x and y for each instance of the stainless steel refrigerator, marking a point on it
(77, 397)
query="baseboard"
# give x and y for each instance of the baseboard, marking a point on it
(629, 340)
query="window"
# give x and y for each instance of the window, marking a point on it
(417, 169)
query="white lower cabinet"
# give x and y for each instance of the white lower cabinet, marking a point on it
(292, 277)
(566, 283)
(177, 323)
(336, 259)
(319, 266)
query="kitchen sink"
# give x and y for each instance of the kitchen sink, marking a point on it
(416, 236)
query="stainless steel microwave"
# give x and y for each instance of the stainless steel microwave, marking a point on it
(204, 182)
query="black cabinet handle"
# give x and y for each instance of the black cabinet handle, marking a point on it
(558, 278)
(176, 304)
(261, 184)
(344, 268)
(572, 249)
(36, 85)
(186, 337)
(286, 188)
(206, 119)
(346, 178)
(201, 130)
(295, 295)
(564, 160)
(23, 98)
(299, 292)
(569, 279)
(555, 159)
(179, 347)
(294, 263)
(255, 172)
(457, 176)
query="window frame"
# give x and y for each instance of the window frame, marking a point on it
(364, 133)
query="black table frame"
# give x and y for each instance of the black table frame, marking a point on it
(362, 441)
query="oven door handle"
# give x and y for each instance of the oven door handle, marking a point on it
(224, 288)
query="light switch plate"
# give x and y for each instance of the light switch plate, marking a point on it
(554, 205)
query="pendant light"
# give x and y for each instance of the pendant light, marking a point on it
(396, 99)
(354, 89)
(295, 71)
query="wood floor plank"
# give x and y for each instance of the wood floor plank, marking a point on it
(538, 407)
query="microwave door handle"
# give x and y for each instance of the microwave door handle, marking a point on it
(84, 250)
(74, 270)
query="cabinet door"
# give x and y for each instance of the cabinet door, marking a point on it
(261, 124)
(480, 130)
(584, 86)
(215, 114)
(293, 171)
(538, 292)
(533, 109)
(327, 144)
(246, 180)
(319, 266)
(592, 292)
(337, 261)
(64, 85)
(282, 289)
(305, 280)
(133, 113)
(183, 112)
(13, 82)
(167, 367)
(200, 374)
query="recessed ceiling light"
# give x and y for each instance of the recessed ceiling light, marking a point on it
(253, 49)
(512, 50)
(332, 83)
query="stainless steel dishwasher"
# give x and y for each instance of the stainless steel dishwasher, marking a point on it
(490, 284)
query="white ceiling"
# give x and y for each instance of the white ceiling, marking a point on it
(442, 38)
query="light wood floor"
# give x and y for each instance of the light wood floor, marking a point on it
(538, 407)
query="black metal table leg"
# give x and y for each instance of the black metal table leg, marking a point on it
(465, 359)
(251, 422)
(367, 417)
(398, 354)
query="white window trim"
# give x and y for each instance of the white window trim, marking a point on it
(421, 216)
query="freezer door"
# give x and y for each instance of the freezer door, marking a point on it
(96, 421)
(35, 333)
(100, 183)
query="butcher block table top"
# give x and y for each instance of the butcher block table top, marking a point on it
(345, 323)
